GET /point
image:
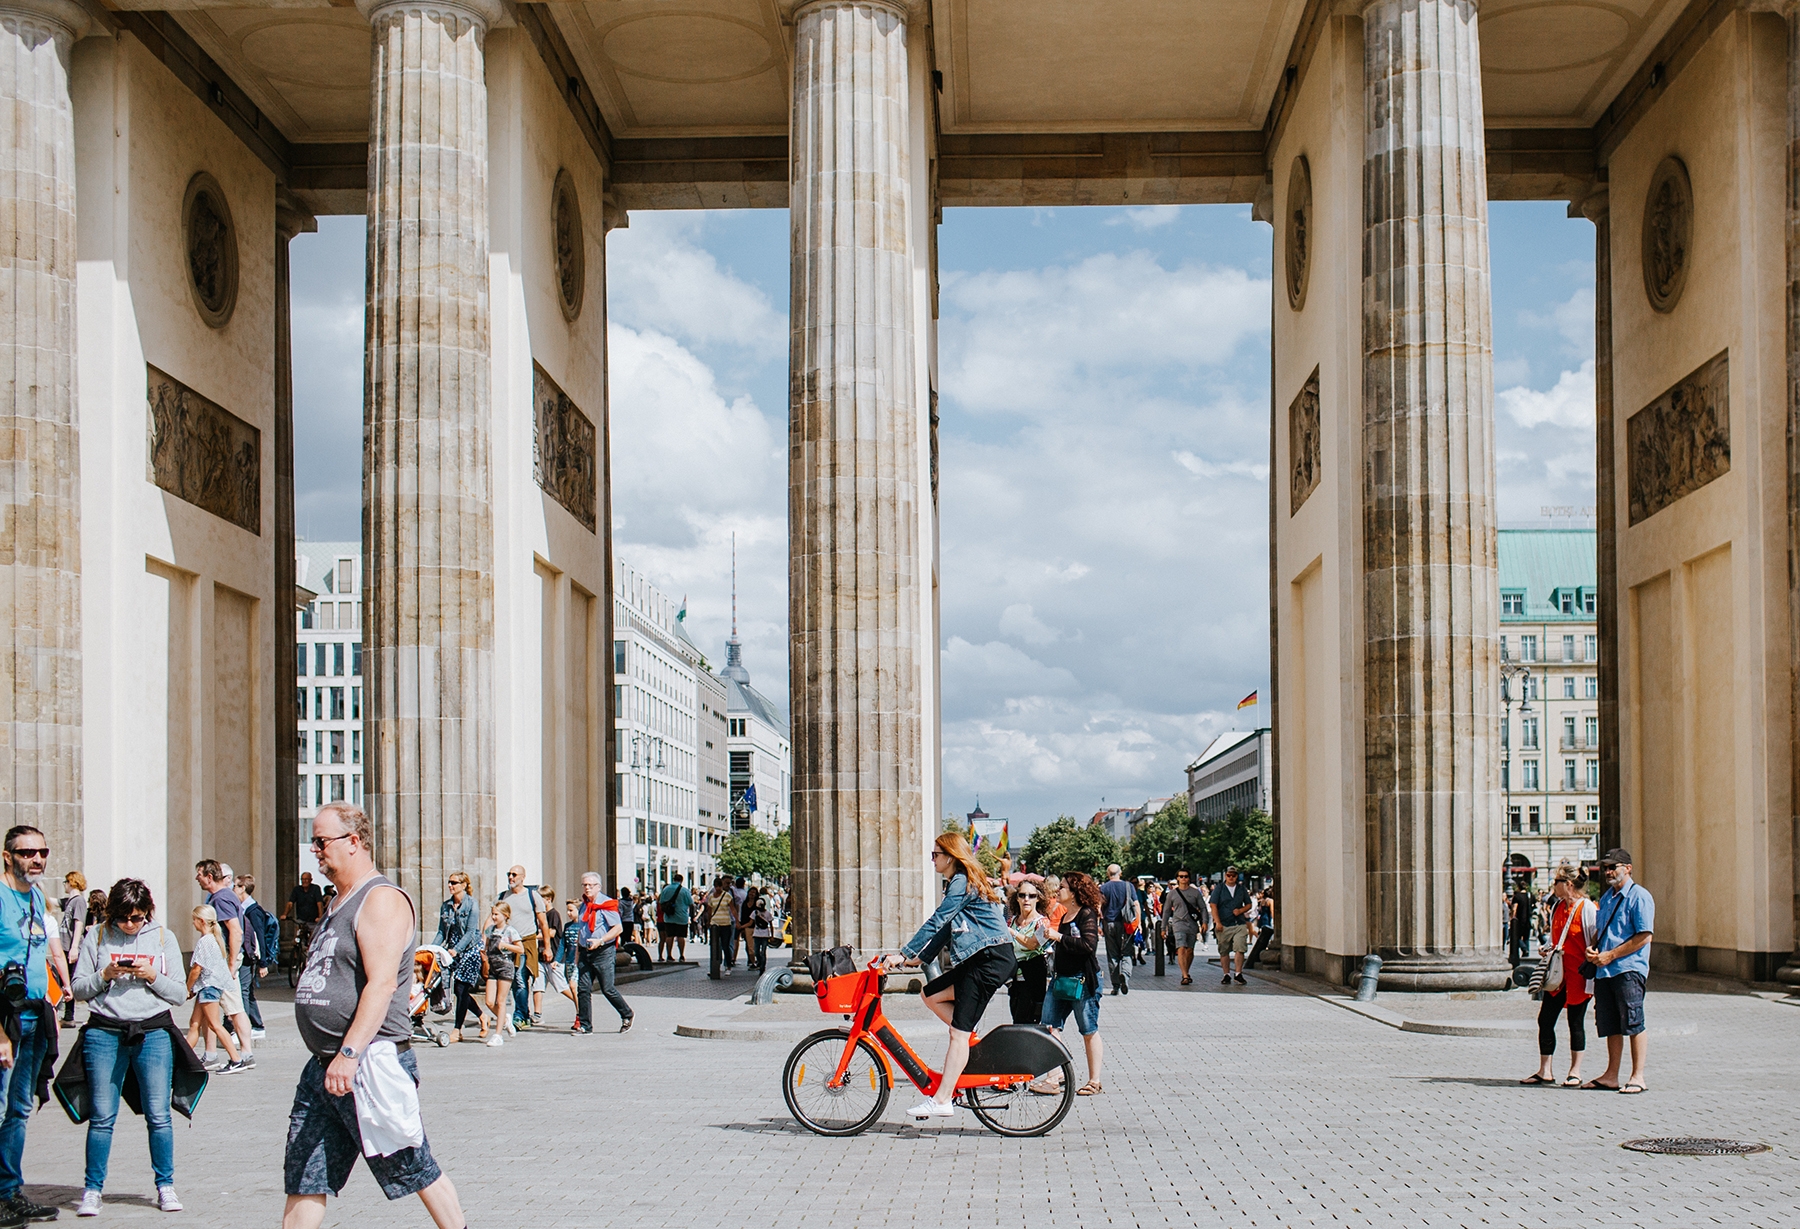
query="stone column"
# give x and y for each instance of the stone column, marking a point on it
(40, 532)
(1606, 542)
(291, 218)
(853, 485)
(1789, 973)
(1431, 584)
(428, 525)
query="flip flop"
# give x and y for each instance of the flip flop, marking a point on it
(1535, 1078)
(1633, 1088)
(1597, 1086)
(1573, 1081)
(1088, 1089)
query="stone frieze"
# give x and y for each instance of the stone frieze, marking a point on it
(1303, 443)
(1682, 440)
(203, 453)
(563, 452)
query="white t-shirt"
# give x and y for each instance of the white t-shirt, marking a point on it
(215, 974)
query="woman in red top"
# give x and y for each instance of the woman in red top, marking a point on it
(1571, 921)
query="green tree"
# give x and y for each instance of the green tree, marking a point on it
(1040, 844)
(753, 852)
(1243, 838)
(1063, 845)
(1167, 833)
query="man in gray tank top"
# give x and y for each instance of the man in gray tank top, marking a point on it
(353, 993)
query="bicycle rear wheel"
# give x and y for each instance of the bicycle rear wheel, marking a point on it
(1015, 1110)
(847, 1109)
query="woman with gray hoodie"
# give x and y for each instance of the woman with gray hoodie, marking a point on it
(130, 974)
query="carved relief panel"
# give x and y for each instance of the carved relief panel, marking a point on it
(1668, 234)
(1303, 443)
(1298, 243)
(563, 453)
(210, 240)
(1682, 440)
(203, 453)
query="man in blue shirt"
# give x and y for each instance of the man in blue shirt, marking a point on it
(1118, 905)
(1620, 953)
(30, 938)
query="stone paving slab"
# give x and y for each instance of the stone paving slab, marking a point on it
(1252, 1106)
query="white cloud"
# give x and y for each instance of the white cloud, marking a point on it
(1202, 468)
(1572, 320)
(1569, 403)
(1020, 623)
(1545, 445)
(660, 277)
(1149, 217)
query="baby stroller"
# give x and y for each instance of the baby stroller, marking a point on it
(430, 991)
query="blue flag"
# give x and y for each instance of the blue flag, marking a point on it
(750, 796)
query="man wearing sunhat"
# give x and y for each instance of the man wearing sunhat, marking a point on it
(1620, 954)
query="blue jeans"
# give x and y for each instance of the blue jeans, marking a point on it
(18, 1081)
(247, 980)
(152, 1059)
(598, 965)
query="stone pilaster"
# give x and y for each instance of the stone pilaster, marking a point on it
(1789, 973)
(1606, 540)
(854, 485)
(40, 538)
(1431, 582)
(428, 526)
(291, 218)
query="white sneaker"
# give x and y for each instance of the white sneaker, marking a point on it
(259, 1033)
(166, 1200)
(89, 1205)
(929, 1108)
(498, 1039)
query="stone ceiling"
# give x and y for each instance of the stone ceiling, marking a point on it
(686, 68)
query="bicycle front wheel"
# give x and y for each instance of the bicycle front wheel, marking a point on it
(1015, 1110)
(847, 1109)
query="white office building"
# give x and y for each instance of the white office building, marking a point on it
(328, 691)
(1233, 772)
(656, 698)
(762, 758)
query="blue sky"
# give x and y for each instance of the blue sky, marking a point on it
(1103, 443)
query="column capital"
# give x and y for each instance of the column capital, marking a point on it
(1594, 206)
(908, 11)
(64, 17)
(1352, 7)
(485, 14)
(291, 217)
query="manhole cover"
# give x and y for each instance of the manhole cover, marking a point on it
(1688, 1145)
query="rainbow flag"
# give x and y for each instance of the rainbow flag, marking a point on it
(990, 833)
(1247, 701)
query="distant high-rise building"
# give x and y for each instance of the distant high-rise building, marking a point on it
(328, 688)
(762, 757)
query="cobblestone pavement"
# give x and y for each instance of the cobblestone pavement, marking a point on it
(1246, 1106)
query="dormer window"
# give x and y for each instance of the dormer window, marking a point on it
(1512, 603)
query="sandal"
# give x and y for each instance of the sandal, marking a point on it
(1573, 1081)
(1089, 1089)
(1633, 1088)
(1597, 1086)
(1187, 981)
(1535, 1078)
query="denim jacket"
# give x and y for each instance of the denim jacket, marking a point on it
(963, 922)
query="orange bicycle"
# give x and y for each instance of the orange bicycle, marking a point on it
(837, 1080)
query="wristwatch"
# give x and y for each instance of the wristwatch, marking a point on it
(348, 1052)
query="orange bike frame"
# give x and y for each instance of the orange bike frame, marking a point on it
(868, 1021)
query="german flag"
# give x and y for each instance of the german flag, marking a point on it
(1248, 701)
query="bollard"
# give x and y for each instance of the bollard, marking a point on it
(1161, 942)
(767, 984)
(1371, 977)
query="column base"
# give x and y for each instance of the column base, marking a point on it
(1437, 974)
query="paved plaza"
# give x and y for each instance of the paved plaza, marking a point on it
(1256, 1106)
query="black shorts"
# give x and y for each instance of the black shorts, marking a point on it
(324, 1141)
(976, 980)
(1619, 1005)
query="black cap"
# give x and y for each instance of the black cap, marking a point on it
(1618, 857)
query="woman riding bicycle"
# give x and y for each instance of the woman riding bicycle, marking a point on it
(969, 922)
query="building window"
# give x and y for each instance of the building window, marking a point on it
(1531, 774)
(345, 577)
(300, 702)
(337, 704)
(319, 659)
(640, 830)
(690, 839)
(319, 790)
(356, 788)
(1565, 602)
(300, 657)
(318, 746)
(356, 658)
(1569, 687)
(318, 704)
(1505, 733)
(337, 659)
(303, 790)
(337, 787)
(1536, 821)
(356, 746)
(1512, 603)
(1512, 818)
(1593, 774)
(1568, 648)
(1505, 774)
(1528, 728)
(306, 618)
(1591, 646)
(1568, 732)
(1587, 605)
(303, 746)
(1593, 687)
(356, 704)
(337, 746)
(1568, 774)
(1504, 655)
(1569, 816)
(1591, 727)
(1528, 648)
(1593, 816)
(618, 657)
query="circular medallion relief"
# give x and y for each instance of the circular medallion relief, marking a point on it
(1299, 231)
(571, 253)
(209, 240)
(1668, 233)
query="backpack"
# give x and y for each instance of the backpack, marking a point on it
(268, 934)
(833, 962)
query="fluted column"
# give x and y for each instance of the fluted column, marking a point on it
(853, 484)
(40, 495)
(428, 526)
(1789, 973)
(1595, 208)
(1431, 584)
(291, 218)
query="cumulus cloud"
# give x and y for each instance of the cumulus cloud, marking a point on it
(659, 276)
(1545, 446)
(1149, 217)
(1572, 320)
(327, 289)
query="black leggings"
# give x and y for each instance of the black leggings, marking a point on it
(465, 1003)
(1553, 1006)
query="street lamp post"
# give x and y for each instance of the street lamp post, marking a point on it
(1508, 673)
(641, 747)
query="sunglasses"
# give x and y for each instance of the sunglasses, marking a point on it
(43, 852)
(1028, 895)
(136, 919)
(320, 842)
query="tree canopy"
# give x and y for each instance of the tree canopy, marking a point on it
(1243, 838)
(1169, 833)
(1063, 845)
(752, 852)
